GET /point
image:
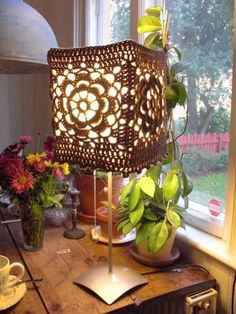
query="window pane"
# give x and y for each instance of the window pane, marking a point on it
(120, 20)
(203, 30)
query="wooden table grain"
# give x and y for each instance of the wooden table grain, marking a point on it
(31, 303)
(58, 294)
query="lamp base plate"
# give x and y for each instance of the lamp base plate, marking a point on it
(110, 286)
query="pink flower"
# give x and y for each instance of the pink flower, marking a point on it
(13, 166)
(49, 155)
(58, 174)
(25, 139)
(22, 182)
(40, 166)
(3, 158)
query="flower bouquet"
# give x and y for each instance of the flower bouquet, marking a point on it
(32, 182)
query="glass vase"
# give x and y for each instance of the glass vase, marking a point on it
(32, 229)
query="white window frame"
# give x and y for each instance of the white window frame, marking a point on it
(230, 219)
(90, 21)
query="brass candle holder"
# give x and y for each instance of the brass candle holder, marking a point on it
(75, 232)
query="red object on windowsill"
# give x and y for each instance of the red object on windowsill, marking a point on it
(214, 207)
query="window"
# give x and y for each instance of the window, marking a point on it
(120, 20)
(108, 21)
(113, 20)
(203, 31)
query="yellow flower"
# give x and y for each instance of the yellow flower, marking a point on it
(55, 165)
(32, 158)
(48, 164)
(65, 168)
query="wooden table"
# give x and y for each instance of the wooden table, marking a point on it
(57, 293)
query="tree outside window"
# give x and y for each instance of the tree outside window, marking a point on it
(203, 30)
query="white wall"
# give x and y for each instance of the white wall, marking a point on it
(24, 102)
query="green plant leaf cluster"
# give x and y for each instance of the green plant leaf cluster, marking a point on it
(46, 195)
(150, 204)
(151, 23)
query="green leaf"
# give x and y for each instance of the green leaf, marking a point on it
(177, 208)
(149, 23)
(154, 172)
(186, 185)
(144, 231)
(149, 40)
(134, 197)
(180, 91)
(158, 195)
(177, 68)
(170, 154)
(105, 203)
(171, 96)
(57, 198)
(158, 237)
(147, 185)
(125, 191)
(177, 165)
(122, 223)
(127, 228)
(149, 214)
(182, 224)
(170, 185)
(137, 213)
(178, 52)
(154, 11)
(173, 218)
(176, 198)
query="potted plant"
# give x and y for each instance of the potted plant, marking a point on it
(84, 181)
(151, 203)
(102, 220)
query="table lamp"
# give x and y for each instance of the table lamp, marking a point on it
(109, 113)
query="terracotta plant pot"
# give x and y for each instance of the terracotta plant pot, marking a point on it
(102, 220)
(84, 183)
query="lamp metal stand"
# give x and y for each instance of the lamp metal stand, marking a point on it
(112, 282)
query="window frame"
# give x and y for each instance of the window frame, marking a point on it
(93, 18)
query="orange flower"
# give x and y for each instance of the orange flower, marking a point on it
(22, 182)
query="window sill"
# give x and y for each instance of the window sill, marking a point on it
(208, 244)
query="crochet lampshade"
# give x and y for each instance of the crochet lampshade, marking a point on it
(108, 106)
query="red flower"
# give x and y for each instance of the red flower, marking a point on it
(13, 166)
(22, 182)
(40, 166)
(4, 158)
